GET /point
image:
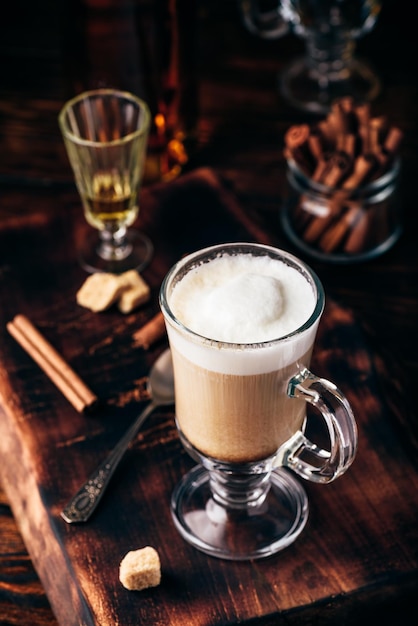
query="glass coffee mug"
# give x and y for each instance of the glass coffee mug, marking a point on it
(241, 320)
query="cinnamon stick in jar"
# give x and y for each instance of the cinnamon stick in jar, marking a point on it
(315, 146)
(362, 167)
(363, 119)
(340, 120)
(390, 148)
(347, 151)
(296, 142)
(334, 236)
(333, 172)
(296, 136)
(377, 125)
(320, 223)
(335, 231)
(357, 240)
(347, 143)
(347, 104)
(322, 168)
(339, 166)
(393, 140)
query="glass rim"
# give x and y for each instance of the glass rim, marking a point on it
(191, 260)
(94, 93)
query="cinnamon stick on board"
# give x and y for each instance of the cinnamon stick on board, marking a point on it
(151, 332)
(52, 363)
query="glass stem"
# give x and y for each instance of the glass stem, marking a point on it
(329, 56)
(113, 243)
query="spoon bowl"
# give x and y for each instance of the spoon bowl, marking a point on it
(161, 380)
(161, 390)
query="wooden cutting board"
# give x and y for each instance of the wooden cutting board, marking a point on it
(360, 542)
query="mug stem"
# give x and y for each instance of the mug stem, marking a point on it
(237, 490)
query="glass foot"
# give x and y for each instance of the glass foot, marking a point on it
(137, 254)
(309, 91)
(239, 533)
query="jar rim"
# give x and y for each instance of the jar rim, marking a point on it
(369, 188)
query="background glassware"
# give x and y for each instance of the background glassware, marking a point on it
(267, 23)
(329, 69)
(159, 65)
(339, 225)
(105, 133)
(252, 507)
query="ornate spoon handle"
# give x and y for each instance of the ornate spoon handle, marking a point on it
(85, 501)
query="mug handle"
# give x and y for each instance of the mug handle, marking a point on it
(342, 430)
(268, 24)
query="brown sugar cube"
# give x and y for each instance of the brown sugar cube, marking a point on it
(133, 297)
(130, 278)
(135, 291)
(99, 291)
(140, 569)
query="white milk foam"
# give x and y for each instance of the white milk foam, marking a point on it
(243, 299)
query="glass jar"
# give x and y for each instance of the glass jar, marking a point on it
(342, 225)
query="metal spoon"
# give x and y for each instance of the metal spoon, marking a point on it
(161, 389)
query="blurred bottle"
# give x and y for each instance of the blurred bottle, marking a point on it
(147, 47)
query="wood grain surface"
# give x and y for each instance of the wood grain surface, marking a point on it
(356, 561)
(49, 449)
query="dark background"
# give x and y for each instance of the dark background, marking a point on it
(242, 123)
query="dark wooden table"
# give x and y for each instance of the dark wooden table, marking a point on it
(242, 121)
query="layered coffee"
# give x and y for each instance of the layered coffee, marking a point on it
(240, 334)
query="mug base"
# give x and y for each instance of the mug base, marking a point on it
(239, 533)
(305, 91)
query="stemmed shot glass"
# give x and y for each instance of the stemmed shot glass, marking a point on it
(329, 69)
(106, 135)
